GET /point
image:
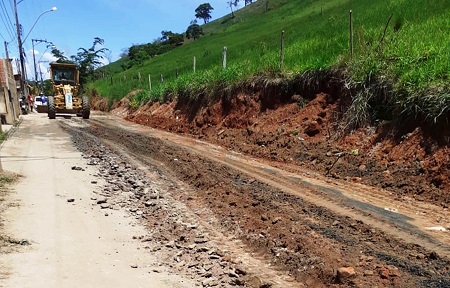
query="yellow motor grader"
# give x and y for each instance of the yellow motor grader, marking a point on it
(66, 99)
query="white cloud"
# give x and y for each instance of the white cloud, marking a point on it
(42, 63)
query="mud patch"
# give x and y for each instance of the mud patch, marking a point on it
(304, 131)
(289, 234)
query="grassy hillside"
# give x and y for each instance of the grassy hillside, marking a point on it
(409, 62)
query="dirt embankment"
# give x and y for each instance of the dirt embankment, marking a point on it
(274, 236)
(304, 131)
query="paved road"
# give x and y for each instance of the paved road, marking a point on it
(73, 244)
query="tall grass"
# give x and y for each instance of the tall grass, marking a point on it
(412, 58)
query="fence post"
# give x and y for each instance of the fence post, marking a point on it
(224, 57)
(162, 78)
(139, 77)
(351, 35)
(194, 63)
(150, 82)
(282, 50)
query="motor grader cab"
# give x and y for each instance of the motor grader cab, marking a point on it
(66, 99)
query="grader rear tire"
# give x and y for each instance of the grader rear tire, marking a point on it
(51, 107)
(86, 107)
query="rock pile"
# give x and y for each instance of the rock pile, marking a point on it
(182, 244)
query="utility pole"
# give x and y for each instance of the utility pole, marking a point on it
(23, 85)
(6, 50)
(42, 80)
(34, 56)
(8, 63)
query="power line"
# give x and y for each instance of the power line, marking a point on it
(6, 26)
(7, 16)
(7, 20)
(5, 12)
(12, 5)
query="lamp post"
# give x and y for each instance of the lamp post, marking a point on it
(20, 42)
(50, 10)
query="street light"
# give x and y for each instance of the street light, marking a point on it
(50, 10)
(20, 42)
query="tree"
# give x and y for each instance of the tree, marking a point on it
(137, 55)
(60, 57)
(88, 60)
(123, 53)
(173, 39)
(48, 87)
(176, 39)
(231, 4)
(194, 31)
(165, 35)
(204, 12)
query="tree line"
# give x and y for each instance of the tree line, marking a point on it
(169, 40)
(88, 60)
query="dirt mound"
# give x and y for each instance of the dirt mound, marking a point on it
(303, 131)
(99, 103)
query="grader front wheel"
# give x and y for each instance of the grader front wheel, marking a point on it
(86, 108)
(51, 107)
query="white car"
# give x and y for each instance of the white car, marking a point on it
(37, 102)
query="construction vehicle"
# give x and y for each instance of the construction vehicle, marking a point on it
(66, 99)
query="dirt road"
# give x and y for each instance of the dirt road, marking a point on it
(66, 241)
(210, 215)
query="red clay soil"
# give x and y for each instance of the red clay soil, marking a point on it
(304, 133)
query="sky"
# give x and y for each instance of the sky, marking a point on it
(75, 24)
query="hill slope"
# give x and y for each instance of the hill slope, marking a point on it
(380, 118)
(399, 60)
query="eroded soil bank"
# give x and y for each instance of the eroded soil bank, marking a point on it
(411, 162)
(225, 227)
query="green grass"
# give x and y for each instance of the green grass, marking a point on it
(413, 60)
(3, 136)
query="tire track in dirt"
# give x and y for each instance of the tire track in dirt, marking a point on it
(322, 194)
(248, 271)
(253, 202)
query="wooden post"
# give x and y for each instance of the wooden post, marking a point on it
(111, 80)
(194, 63)
(150, 82)
(351, 35)
(162, 78)
(282, 50)
(139, 77)
(224, 57)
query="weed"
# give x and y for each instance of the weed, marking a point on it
(3, 136)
